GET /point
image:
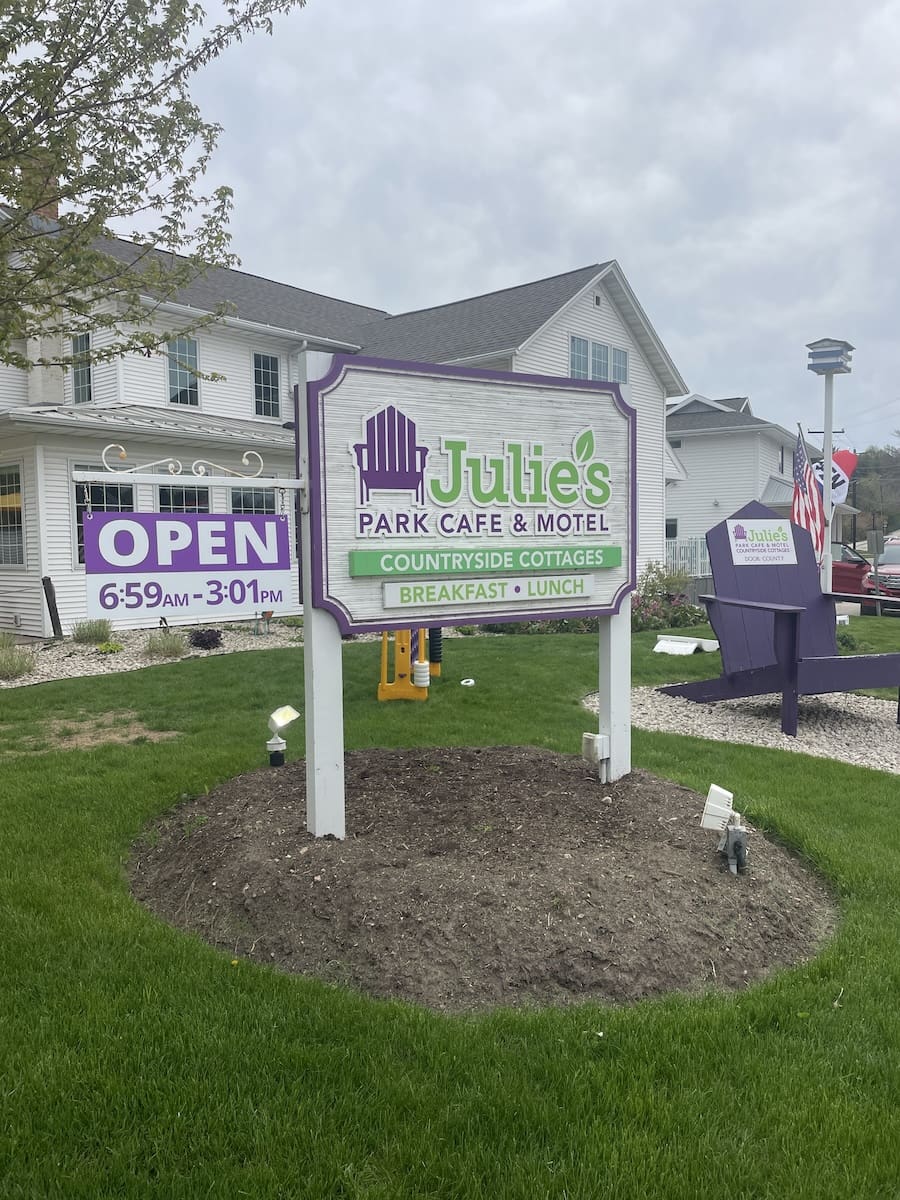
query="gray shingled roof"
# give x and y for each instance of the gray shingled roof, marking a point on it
(490, 324)
(478, 327)
(264, 301)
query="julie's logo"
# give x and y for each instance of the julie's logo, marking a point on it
(391, 459)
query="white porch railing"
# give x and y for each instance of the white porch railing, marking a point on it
(687, 556)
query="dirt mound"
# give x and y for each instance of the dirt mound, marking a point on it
(472, 878)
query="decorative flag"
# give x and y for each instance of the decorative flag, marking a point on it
(806, 505)
(843, 464)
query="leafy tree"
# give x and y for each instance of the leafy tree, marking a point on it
(875, 488)
(98, 126)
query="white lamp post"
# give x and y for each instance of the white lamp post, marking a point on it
(828, 357)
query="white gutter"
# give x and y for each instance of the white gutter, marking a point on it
(32, 420)
(186, 310)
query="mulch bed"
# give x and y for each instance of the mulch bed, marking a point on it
(474, 878)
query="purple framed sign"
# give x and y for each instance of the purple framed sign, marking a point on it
(446, 495)
(191, 564)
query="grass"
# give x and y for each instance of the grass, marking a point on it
(136, 1061)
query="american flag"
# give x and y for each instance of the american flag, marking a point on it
(806, 506)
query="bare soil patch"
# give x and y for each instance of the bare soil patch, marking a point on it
(83, 732)
(473, 878)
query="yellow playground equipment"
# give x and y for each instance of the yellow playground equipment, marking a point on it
(413, 671)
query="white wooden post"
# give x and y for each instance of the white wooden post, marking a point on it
(614, 702)
(323, 683)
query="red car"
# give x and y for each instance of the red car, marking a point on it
(848, 570)
(888, 583)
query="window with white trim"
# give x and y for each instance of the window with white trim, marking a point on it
(98, 497)
(265, 385)
(81, 369)
(184, 385)
(253, 501)
(579, 349)
(619, 366)
(12, 542)
(591, 360)
(178, 499)
(671, 527)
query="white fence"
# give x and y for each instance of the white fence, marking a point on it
(687, 556)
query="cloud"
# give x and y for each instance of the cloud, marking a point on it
(739, 162)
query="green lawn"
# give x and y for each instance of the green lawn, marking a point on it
(136, 1061)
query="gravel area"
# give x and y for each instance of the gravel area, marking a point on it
(69, 660)
(854, 729)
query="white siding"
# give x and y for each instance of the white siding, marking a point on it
(548, 354)
(221, 351)
(726, 470)
(13, 387)
(723, 475)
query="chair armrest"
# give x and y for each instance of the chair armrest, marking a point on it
(761, 605)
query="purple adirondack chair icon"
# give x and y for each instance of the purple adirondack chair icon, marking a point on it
(389, 459)
(740, 533)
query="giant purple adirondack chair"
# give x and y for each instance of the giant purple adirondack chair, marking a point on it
(389, 459)
(776, 630)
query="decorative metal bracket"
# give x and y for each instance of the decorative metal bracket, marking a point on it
(199, 467)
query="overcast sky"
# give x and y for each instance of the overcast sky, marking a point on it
(740, 161)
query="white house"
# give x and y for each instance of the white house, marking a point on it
(585, 323)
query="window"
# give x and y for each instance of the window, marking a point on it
(591, 360)
(672, 527)
(183, 499)
(265, 385)
(253, 501)
(781, 460)
(599, 361)
(12, 546)
(183, 365)
(81, 369)
(620, 366)
(675, 443)
(578, 357)
(104, 497)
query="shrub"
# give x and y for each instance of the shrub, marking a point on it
(205, 639)
(660, 603)
(164, 644)
(290, 622)
(110, 647)
(92, 632)
(7, 639)
(15, 661)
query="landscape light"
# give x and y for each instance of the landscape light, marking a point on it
(719, 814)
(279, 721)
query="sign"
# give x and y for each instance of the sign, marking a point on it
(468, 496)
(767, 542)
(192, 564)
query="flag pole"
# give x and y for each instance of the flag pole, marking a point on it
(827, 470)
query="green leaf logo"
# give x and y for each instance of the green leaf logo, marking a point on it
(584, 446)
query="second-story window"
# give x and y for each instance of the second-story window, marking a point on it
(184, 386)
(619, 366)
(579, 349)
(265, 385)
(81, 368)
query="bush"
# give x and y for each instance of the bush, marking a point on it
(164, 644)
(15, 661)
(660, 603)
(110, 647)
(7, 639)
(205, 639)
(92, 632)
